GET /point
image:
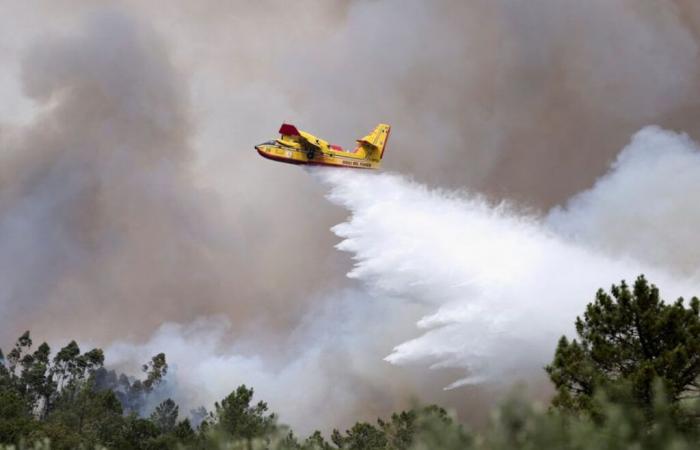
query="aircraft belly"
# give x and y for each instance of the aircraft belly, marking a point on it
(292, 156)
(347, 162)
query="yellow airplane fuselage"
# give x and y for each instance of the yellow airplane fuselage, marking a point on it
(300, 147)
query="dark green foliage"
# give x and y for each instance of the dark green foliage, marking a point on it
(520, 425)
(82, 415)
(165, 416)
(155, 370)
(361, 436)
(628, 382)
(59, 399)
(316, 442)
(237, 419)
(138, 433)
(15, 416)
(39, 380)
(133, 393)
(184, 432)
(627, 340)
(434, 429)
(398, 433)
(402, 427)
(22, 345)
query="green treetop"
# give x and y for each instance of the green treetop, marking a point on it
(628, 339)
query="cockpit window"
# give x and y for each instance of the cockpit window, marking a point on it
(268, 143)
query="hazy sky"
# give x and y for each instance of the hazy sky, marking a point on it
(130, 193)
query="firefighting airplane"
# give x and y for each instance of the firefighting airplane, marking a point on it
(299, 147)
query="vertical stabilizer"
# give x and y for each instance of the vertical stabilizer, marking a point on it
(375, 142)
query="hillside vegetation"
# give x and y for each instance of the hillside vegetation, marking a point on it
(629, 380)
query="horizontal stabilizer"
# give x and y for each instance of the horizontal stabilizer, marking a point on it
(366, 142)
(375, 142)
(289, 130)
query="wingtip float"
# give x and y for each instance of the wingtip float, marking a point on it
(299, 147)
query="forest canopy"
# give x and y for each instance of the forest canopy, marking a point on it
(628, 380)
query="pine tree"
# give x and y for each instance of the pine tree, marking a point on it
(165, 416)
(628, 339)
(235, 416)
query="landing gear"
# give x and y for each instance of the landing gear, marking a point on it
(310, 152)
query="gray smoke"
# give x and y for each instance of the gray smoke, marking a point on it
(97, 207)
(133, 209)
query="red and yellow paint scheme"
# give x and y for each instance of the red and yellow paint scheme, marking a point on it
(299, 147)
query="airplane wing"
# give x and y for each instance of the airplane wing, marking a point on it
(289, 130)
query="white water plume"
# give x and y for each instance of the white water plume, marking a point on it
(506, 285)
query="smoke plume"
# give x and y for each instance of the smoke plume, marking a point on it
(135, 215)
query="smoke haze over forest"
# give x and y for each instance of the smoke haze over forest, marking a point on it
(135, 215)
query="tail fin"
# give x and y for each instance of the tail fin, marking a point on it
(375, 142)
